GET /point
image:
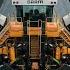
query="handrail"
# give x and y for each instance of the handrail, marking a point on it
(28, 28)
(67, 31)
(4, 30)
(3, 40)
(65, 36)
(3, 34)
(34, 21)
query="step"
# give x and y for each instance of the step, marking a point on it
(65, 36)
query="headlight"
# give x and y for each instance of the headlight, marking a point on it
(64, 57)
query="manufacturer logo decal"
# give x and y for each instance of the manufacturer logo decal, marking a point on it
(34, 1)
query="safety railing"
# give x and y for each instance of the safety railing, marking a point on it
(4, 34)
(36, 27)
(39, 32)
(5, 29)
(14, 18)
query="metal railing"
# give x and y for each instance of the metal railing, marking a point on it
(40, 33)
(14, 18)
(5, 29)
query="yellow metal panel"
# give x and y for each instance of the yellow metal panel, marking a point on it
(0, 50)
(64, 50)
(52, 34)
(16, 34)
(68, 50)
(16, 29)
(12, 54)
(52, 29)
(5, 50)
(34, 31)
(58, 53)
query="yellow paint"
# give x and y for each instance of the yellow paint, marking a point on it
(16, 29)
(5, 50)
(64, 50)
(58, 53)
(12, 54)
(34, 31)
(0, 50)
(68, 50)
(52, 29)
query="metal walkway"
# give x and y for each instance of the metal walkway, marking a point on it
(35, 47)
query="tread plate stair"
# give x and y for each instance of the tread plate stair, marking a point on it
(4, 34)
(34, 48)
(65, 35)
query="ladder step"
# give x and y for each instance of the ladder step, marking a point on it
(65, 36)
(35, 48)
